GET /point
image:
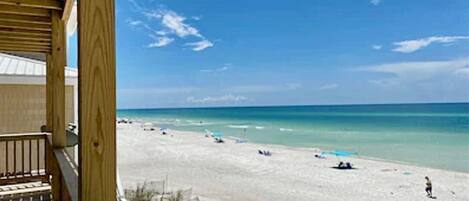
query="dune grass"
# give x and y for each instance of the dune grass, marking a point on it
(143, 192)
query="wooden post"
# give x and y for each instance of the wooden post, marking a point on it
(58, 71)
(57, 63)
(97, 100)
(49, 92)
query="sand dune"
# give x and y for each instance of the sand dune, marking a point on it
(235, 172)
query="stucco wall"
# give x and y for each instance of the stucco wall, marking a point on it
(23, 107)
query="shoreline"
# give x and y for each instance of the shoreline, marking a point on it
(312, 149)
(234, 172)
(315, 148)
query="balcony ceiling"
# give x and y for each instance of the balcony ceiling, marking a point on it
(26, 25)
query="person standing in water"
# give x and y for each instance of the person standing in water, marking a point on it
(428, 189)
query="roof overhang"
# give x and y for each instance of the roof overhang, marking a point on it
(26, 25)
(16, 69)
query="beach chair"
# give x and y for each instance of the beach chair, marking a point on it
(238, 141)
(344, 166)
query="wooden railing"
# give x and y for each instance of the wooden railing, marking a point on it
(23, 158)
(64, 174)
(28, 157)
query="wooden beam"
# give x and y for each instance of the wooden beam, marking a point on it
(19, 49)
(46, 47)
(24, 33)
(25, 19)
(15, 10)
(97, 100)
(49, 93)
(67, 9)
(23, 38)
(24, 42)
(44, 4)
(58, 63)
(33, 48)
(25, 26)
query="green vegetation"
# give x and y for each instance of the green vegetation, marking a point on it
(144, 192)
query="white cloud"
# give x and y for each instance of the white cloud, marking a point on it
(264, 88)
(463, 72)
(383, 82)
(161, 42)
(134, 22)
(328, 87)
(158, 91)
(376, 47)
(200, 45)
(174, 22)
(225, 67)
(375, 2)
(418, 70)
(169, 23)
(409, 46)
(293, 86)
(161, 33)
(219, 99)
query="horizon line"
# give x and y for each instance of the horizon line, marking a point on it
(293, 105)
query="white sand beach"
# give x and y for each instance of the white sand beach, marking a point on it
(236, 172)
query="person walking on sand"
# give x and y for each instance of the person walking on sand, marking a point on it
(428, 189)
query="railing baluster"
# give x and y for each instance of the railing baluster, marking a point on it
(37, 148)
(45, 154)
(7, 159)
(30, 158)
(14, 158)
(22, 157)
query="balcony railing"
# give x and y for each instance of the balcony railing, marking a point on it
(23, 158)
(29, 157)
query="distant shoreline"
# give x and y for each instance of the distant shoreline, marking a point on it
(377, 159)
(317, 148)
(299, 105)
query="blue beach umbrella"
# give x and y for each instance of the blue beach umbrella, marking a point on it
(217, 134)
(339, 153)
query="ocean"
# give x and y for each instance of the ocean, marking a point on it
(430, 135)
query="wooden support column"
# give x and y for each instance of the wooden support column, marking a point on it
(49, 92)
(97, 100)
(57, 64)
(58, 71)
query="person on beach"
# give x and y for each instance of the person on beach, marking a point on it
(428, 189)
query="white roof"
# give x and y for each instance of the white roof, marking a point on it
(11, 65)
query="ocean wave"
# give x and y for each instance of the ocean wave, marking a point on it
(286, 129)
(259, 127)
(238, 126)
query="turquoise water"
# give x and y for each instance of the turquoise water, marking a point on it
(432, 135)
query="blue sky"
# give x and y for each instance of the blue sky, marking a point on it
(179, 53)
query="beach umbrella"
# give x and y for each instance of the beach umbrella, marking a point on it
(217, 134)
(163, 130)
(339, 153)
